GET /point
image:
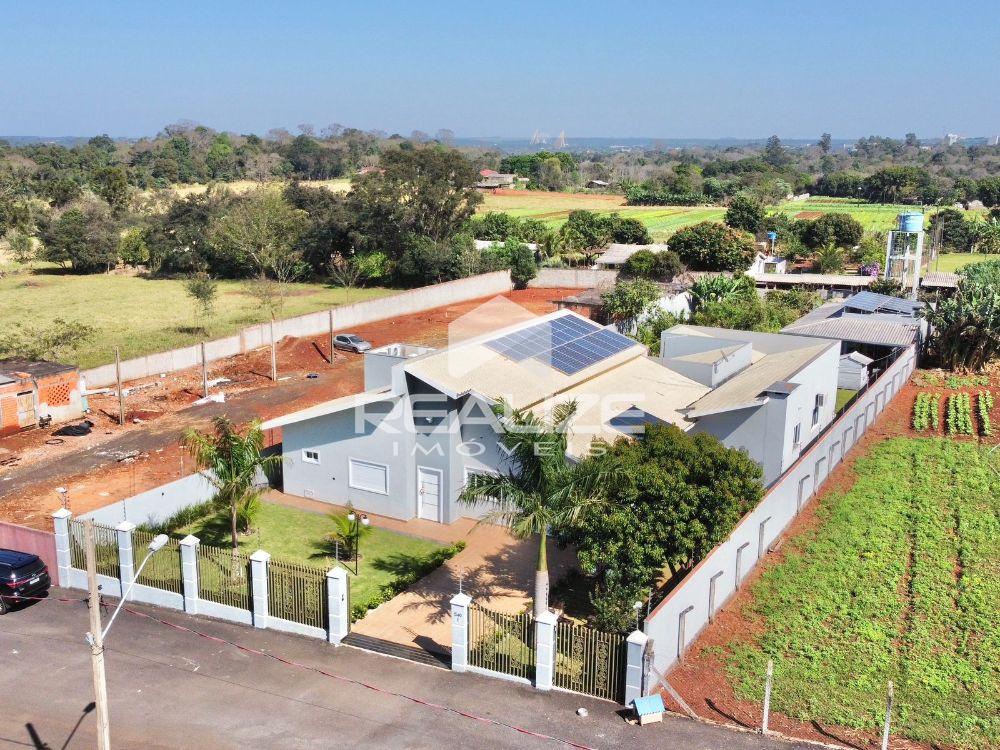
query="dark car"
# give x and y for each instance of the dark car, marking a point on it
(350, 342)
(23, 577)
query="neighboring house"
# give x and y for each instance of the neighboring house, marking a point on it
(617, 253)
(495, 181)
(407, 449)
(854, 374)
(675, 298)
(488, 244)
(598, 184)
(828, 285)
(766, 263)
(31, 391)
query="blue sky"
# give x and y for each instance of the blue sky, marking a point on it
(650, 69)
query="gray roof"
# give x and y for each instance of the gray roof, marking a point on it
(860, 330)
(35, 368)
(813, 279)
(940, 279)
(872, 302)
(858, 357)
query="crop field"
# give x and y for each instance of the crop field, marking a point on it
(662, 221)
(340, 185)
(898, 581)
(146, 315)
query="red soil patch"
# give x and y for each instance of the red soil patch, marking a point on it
(702, 679)
(808, 214)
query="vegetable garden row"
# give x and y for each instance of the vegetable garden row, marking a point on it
(898, 582)
(958, 413)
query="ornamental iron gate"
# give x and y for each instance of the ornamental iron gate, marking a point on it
(590, 661)
(502, 643)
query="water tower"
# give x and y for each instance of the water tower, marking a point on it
(904, 251)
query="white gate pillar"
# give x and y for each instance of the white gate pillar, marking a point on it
(258, 587)
(460, 631)
(60, 520)
(126, 557)
(338, 604)
(189, 572)
(635, 647)
(545, 649)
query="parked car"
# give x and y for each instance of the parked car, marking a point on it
(23, 576)
(350, 342)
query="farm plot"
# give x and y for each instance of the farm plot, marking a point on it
(899, 581)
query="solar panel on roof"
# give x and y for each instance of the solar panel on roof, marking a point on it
(568, 344)
(872, 301)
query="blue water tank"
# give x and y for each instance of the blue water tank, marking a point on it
(772, 236)
(911, 222)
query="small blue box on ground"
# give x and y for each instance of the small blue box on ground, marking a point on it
(649, 708)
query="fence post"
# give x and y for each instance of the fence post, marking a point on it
(545, 649)
(635, 649)
(60, 522)
(767, 696)
(189, 572)
(258, 586)
(460, 631)
(126, 557)
(338, 604)
(888, 718)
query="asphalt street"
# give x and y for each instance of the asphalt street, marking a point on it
(171, 688)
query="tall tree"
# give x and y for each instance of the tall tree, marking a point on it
(541, 490)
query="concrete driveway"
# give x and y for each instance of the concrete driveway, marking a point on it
(171, 688)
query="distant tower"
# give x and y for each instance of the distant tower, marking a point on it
(904, 251)
(536, 137)
(560, 142)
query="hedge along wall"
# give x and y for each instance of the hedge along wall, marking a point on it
(311, 324)
(686, 610)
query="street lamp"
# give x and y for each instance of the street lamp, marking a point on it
(97, 634)
(356, 533)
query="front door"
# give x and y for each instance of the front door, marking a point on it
(428, 494)
(26, 409)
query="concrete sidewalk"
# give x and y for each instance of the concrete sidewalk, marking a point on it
(173, 689)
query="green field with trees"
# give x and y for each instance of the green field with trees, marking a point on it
(899, 581)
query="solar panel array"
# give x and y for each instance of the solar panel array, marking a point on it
(872, 301)
(568, 344)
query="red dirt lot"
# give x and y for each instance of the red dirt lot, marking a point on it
(163, 408)
(702, 680)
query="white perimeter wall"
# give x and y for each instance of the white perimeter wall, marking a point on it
(312, 324)
(156, 504)
(573, 278)
(686, 610)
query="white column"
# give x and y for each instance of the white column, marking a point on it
(545, 649)
(60, 520)
(338, 604)
(258, 586)
(126, 557)
(189, 572)
(460, 631)
(635, 647)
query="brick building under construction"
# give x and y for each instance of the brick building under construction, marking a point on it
(33, 392)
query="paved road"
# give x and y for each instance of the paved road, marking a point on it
(170, 688)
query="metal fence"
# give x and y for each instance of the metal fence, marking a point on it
(502, 643)
(163, 570)
(106, 544)
(590, 661)
(224, 576)
(296, 592)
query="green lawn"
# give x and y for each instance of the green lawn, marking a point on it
(899, 581)
(951, 262)
(843, 396)
(662, 221)
(145, 315)
(298, 536)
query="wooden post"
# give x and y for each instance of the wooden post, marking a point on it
(121, 394)
(204, 372)
(274, 356)
(888, 718)
(96, 640)
(331, 337)
(767, 696)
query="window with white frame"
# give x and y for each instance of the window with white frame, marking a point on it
(367, 475)
(820, 400)
(479, 472)
(797, 434)
(310, 457)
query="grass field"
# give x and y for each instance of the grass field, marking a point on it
(951, 262)
(340, 185)
(662, 221)
(146, 315)
(899, 581)
(298, 536)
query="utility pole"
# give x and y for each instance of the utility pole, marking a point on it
(767, 697)
(888, 718)
(204, 372)
(121, 393)
(331, 337)
(274, 356)
(96, 640)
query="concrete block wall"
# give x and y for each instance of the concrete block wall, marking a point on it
(574, 278)
(311, 324)
(156, 504)
(691, 606)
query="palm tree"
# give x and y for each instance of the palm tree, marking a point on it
(542, 490)
(231, 458)
(829, 259)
